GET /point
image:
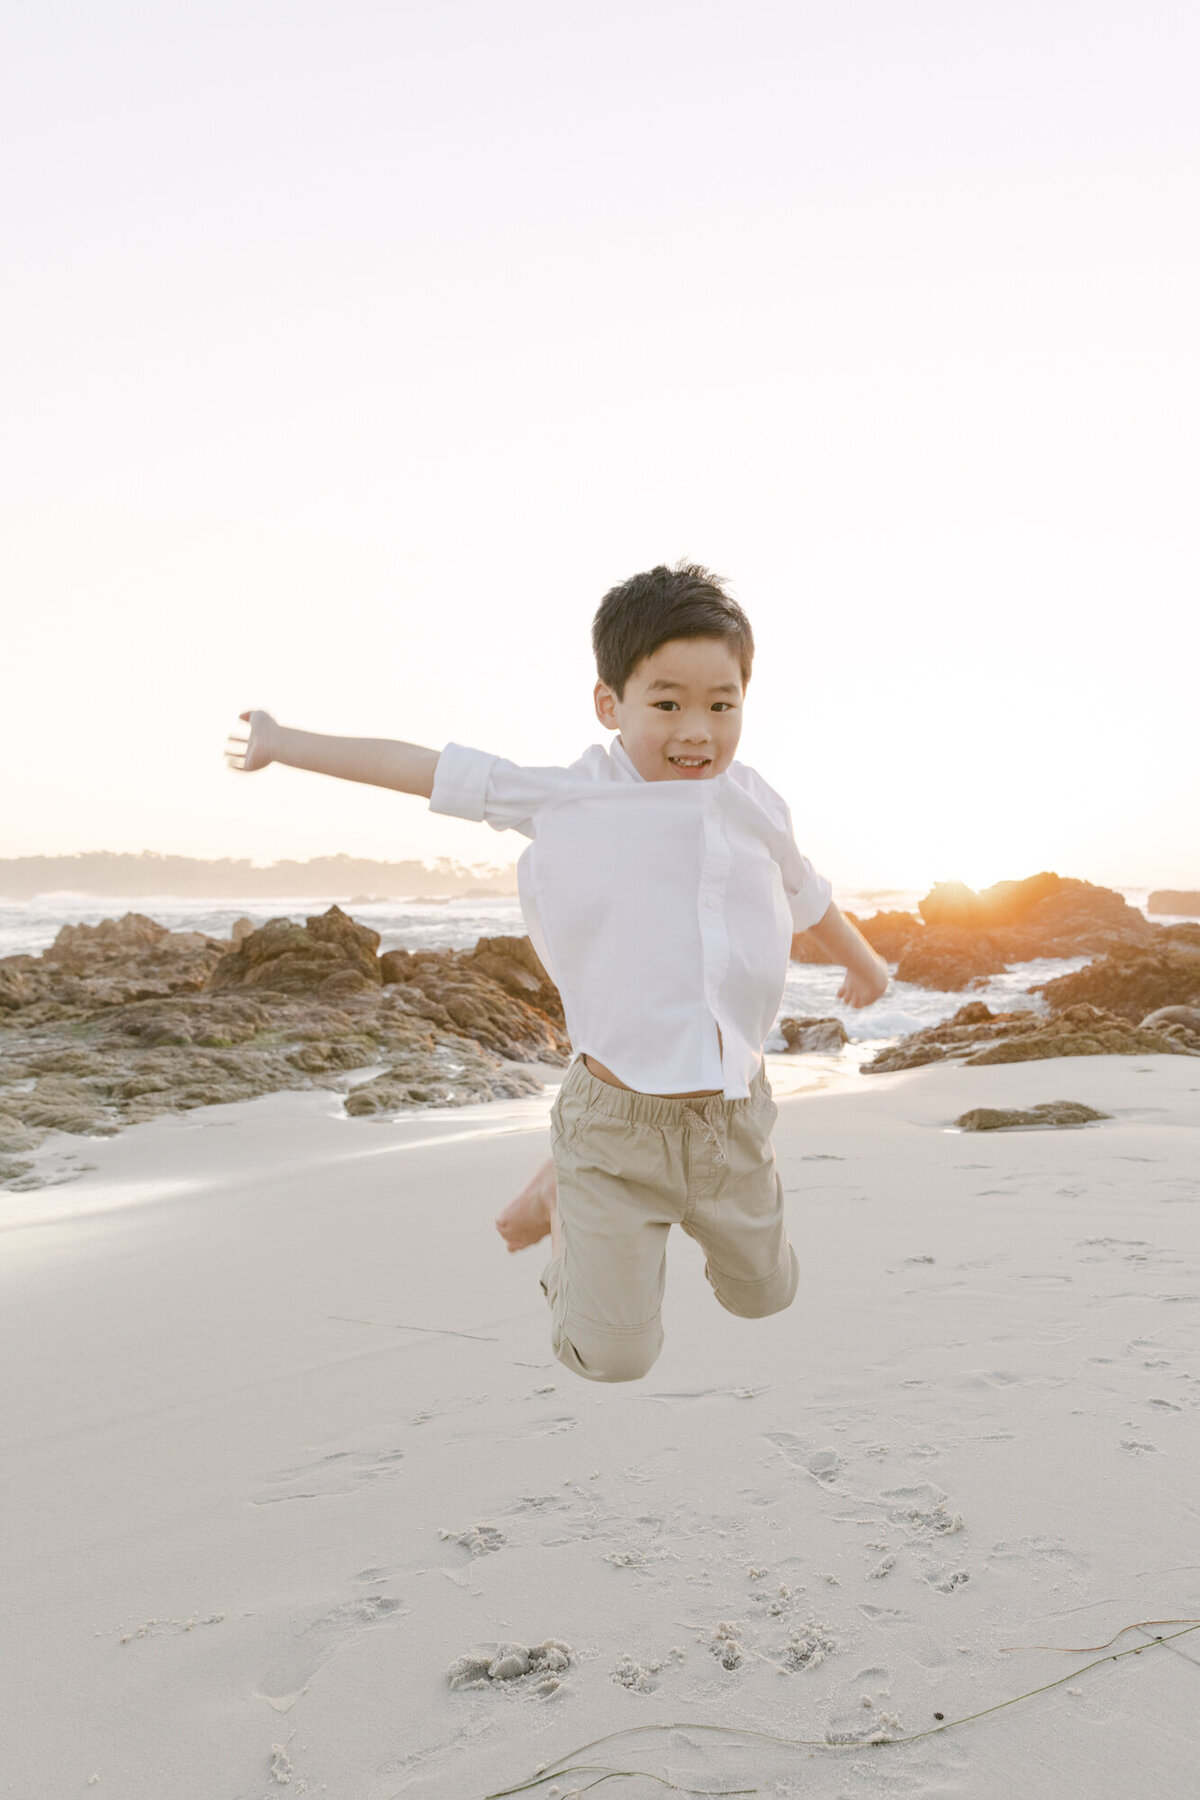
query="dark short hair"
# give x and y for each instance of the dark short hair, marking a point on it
(640, 615)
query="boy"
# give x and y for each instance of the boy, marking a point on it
(661, 891)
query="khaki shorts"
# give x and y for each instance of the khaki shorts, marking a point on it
(630, 1166)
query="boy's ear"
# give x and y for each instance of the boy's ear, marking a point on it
(606, 702)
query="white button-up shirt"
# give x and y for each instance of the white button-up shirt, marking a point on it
(662, 910)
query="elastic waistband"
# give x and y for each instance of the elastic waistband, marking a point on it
(656, 1109)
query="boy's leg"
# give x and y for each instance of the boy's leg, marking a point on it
(534, 1213)
(619, 1192)
(735, 1208)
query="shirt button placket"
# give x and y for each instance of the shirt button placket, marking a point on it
(713, 929)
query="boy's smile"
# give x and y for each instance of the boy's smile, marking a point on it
(680, 717)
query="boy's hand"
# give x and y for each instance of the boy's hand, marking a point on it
(864, 983)
(866, 972)
(251, 752)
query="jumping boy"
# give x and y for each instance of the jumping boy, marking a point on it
(661, 890)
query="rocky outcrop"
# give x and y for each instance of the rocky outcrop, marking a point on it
(1133, 982)
(962, 936)
(1045, 915)
(1007, 903)
(1075, 919)
(1179, 901)
(977, 1036)
(123, 1021)
(949, 958)
(329, 955)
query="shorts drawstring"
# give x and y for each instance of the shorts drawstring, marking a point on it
(707, 1128)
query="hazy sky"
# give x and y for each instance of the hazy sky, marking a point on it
(351, 351)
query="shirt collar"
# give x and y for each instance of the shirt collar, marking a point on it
(623, 760)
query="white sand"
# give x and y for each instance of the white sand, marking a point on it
(233, 1447)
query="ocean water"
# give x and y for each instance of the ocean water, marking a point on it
(30, 926)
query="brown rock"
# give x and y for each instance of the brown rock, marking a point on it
(1185, 935)
(1174, 900)
(1007, 903)
(15, 1134)
(1044, 915)
(1050, 1112)
(388, 1094)
(814, 1036)
(16, 989)
(1084, 1031)
(61, 1103)
(133, 931)
(1028, 1037)
(1131, 981)
(329, 955)
(1187, 1016)
(514, 963)
(948, 958)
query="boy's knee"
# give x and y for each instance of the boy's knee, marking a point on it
(609, 1356)
(758, 1299)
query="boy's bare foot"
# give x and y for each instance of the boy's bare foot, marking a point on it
(530, 1217)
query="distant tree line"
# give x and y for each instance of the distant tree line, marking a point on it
(125, 875)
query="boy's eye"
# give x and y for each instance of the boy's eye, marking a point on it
(717, 705)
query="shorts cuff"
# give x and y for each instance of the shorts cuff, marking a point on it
(757, 1299)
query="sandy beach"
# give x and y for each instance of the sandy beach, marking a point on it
(283, 1440)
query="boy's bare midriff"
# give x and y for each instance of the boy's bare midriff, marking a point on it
(602, 1074)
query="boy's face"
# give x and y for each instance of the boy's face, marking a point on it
(681, 715)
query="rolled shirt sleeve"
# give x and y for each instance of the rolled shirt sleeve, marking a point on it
(809, 894)
(473, 784)
(461, 782)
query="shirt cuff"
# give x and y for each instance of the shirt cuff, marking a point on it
(460, 783)
(811, 903)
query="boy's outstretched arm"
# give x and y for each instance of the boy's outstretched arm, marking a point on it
(382, 762)
(866, 973)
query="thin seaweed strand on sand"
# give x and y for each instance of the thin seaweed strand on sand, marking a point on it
(557, 1770)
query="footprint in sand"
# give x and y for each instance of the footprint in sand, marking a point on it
(1040, 1549)
(339, 1472)
(315, 1641)
(517, 1668)
(808, 1647)
(638, 1677)
(823, 1465)
(944, 1579)
(922, 1510)
(882, 1615)
(478, 1540)
(924, 1515)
